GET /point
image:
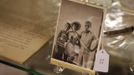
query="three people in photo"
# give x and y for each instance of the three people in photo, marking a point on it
(74, 46)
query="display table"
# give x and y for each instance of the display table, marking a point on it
(39, 64)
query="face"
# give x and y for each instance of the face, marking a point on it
(87, 26)
(74, 28)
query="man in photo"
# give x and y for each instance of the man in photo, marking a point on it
(62, 38)
(87, 37)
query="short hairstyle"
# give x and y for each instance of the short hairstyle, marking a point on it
(77, 25)
(88, 23)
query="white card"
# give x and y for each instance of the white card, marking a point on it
(101, 61)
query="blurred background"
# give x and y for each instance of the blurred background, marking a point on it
(45, 13)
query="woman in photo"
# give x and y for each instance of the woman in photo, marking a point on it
(73, 45)
(87, 53)
(62, 38)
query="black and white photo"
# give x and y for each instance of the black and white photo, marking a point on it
(77, 35)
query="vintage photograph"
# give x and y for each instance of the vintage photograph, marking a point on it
(77, 35)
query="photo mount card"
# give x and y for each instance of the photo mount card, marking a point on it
(77, 36)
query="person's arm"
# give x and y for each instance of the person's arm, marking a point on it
(58, 41)
(94, 43)
(68, 39)
(59, 35)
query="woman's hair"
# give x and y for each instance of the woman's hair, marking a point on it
(77, 25)
(68, 25)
